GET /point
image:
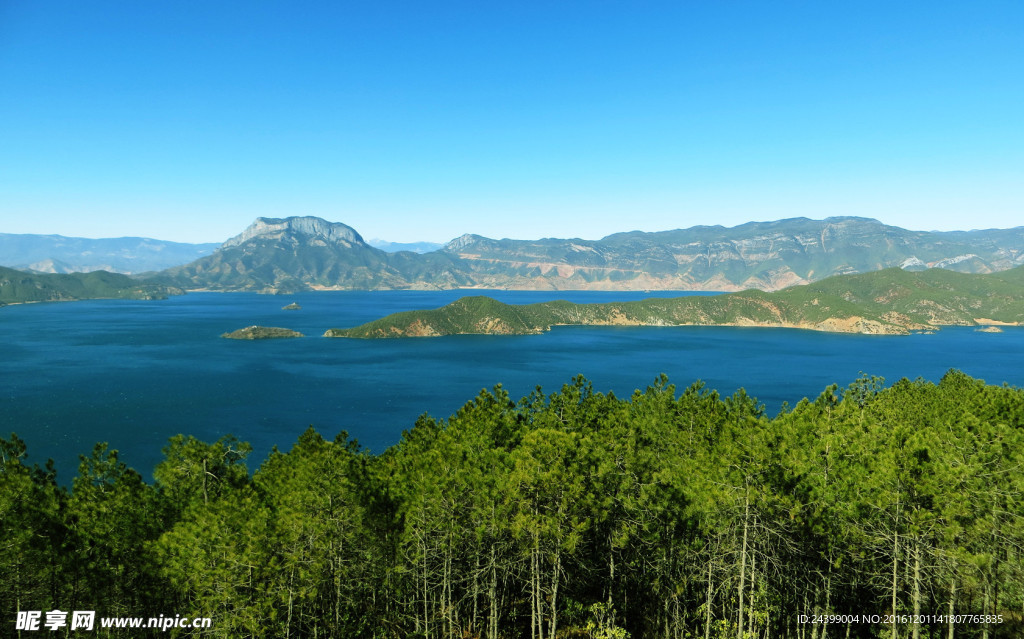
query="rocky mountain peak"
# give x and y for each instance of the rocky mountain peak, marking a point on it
(276, 228)
(461, 242)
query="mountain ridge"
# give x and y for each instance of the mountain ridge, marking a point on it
(306, 253)
(126, 255)
(413, 247)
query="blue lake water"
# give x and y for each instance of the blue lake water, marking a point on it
(134, 373)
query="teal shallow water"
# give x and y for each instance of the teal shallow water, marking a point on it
(135, 373)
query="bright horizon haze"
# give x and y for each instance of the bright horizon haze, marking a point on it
(409, 122)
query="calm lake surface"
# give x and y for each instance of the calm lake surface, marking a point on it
(134, 373)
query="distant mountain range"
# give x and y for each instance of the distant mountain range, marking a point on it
(415, 247)
(307, 253)
(59, 254)
(301, 253)
(128, 255)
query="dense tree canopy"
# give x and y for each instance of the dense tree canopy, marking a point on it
(866, 512)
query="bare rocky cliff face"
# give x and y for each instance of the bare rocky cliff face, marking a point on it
(314, 227)
(300, 253)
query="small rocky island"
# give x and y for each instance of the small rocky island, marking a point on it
(294, 306)
(262, 332)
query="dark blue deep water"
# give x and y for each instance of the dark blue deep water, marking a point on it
(135, 373)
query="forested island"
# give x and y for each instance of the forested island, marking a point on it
(671, 513)
(892, 301)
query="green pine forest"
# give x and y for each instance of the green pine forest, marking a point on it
(576, 514)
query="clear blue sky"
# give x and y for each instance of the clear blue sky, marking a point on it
(425, 120)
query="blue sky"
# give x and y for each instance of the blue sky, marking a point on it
(422, 121)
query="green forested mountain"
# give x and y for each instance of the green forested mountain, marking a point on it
(878, 512)
(892, 301)
(284, 255)
(18, 286)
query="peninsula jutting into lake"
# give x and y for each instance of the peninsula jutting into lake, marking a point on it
(889, 302)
